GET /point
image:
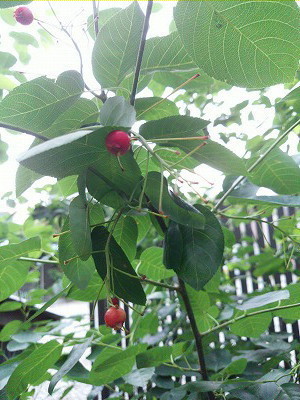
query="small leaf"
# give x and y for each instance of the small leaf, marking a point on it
(33, 367)
(80, 228)
(172, 206)
(252, 326)
(74, 356)
(264, 299)
(122, 275)
(77, 270)
(148, 109)
(117, 111)
(151, 264)
(9, 329)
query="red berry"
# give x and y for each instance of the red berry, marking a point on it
(115, 301)
(23, 15)
(117, 142)
(115, 317)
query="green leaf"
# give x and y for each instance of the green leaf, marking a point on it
(172, 206)
(25, 39)
(122, 275)
(151, 264)
(125, 234)
(252, 326)
(246, 194)
(74, 356)
(116, 46)
(290, 313)
(277, 171)
(67, 186)
(13, 273)
(146, 325)
(103, 191)
(202, 251)
(216, 156)
(80, 228)
(96, 213)
(10, 306)
(117, 111)
(166, 54)
(11, 3)
(178, 126)
(103, 17)
(77, 270)
(148, 109)
(153, 357)
(9, 329)
(111, 365)
(234, 41)
(91, 292)
(7, 60)
(35, 105)
(6, 83)
(236, 367)
(289, 391)
(82, 112)
(264, 299)
(33, 367)
(71, 154)
(173, 247)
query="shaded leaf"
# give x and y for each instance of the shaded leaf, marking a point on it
(122, 275)
(172, 206)
(80, 228)
(202, 251)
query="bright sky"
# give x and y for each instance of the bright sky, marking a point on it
(62, 56)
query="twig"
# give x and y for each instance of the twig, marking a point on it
(253, 166)
(231, 321)
(196, 333)
(16, 129)
(95, 14)
(141, 52)
(40, 260)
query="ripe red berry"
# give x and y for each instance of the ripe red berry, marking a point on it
(115, 317)
(117, 142)
(23, 15)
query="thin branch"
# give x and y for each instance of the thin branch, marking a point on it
(231, 321)
(253, 166)
(16, 129)
(141, 52)
(196, 333)
(38, 260)
(272, 224)
(95, 14)
(99, 96)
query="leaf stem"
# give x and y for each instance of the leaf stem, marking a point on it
(155, 283)
(254, 165)
(141, 52)
(38, 260)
